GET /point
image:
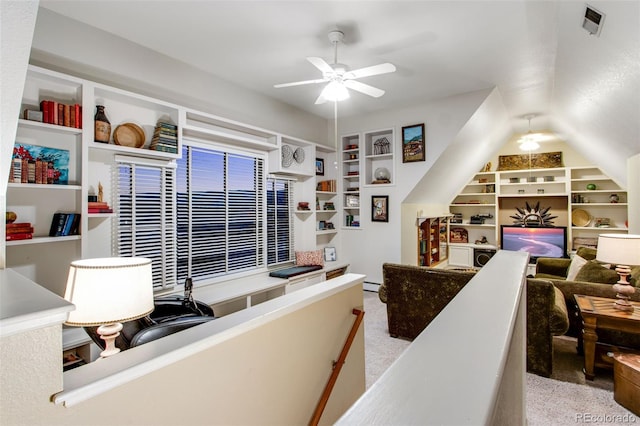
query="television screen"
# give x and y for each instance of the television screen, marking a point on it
(538, 242)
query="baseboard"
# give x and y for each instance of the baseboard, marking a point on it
(371, 287)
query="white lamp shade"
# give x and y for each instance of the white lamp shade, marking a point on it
(335, 91)
(109, 290)
(622, 249)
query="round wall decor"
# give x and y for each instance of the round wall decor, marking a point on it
(287, 156)
(298, 155)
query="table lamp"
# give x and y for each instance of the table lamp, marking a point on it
(109, 291)
(621, 250)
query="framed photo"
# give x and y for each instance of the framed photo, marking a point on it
(319, 167)
(413, 143)
(352, 201)
(329, 254)
(380, 208)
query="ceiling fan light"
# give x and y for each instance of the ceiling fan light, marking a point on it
(529, 144)
(335, 91)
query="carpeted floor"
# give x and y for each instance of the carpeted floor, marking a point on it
(564, 399)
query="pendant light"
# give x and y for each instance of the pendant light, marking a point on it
(528, 142)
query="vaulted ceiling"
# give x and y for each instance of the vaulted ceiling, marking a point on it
(584, 87)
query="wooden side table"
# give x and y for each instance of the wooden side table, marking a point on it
(599, 313)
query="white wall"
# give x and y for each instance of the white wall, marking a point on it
(376, 242)
(75, 48)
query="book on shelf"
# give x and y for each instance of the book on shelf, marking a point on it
(64, 224)
(19, 228)
(21, 236)
(99, 210)
(97, 204)
(326, 185)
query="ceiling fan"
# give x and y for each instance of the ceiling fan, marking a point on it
(340, 78)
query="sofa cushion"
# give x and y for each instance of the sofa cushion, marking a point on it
(595, 272)
(306, 258)
(587, 253)
(576, 264)
(559, 318)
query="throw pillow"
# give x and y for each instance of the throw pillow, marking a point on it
(576, 264)
(594, 272)
(313, 257)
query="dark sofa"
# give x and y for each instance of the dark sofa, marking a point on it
(415, 295)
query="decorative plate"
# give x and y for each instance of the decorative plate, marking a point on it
(287, 156)
(580, 217)
(129, 134)
(298, 155)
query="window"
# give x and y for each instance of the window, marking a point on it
(220, 213)
(146, 207)
(206, 215)
(279, 221)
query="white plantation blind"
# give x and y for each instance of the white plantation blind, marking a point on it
(220, 210)
(279, 221)
(146, 215)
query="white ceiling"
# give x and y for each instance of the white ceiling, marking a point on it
(535, 52)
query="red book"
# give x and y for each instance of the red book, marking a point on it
(67, 115)
(99, 210)
(17, 224)
(23, 230)
(61, 114)
(45, 111)
(54, 112)
(78, 116)
(72, 118)
(23, 236)
(98, 204)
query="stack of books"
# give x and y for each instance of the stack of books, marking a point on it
(165, 138)
(64, 224)
(99, 207)
(19, 231)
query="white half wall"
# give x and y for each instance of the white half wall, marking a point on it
(17, 21)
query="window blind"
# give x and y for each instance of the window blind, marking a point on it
(220, 210)
(146, 215)
(279, 221)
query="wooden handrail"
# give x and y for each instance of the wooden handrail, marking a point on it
(337, 366)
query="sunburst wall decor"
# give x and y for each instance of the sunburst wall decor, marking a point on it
(533, 216)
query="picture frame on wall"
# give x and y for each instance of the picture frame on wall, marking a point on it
(319, 166)
(380, 208)
(330, 254)
(413, 143)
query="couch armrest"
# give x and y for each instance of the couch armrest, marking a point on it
(546, 317)
(552, 266)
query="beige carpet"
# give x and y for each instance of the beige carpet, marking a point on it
(564, 399)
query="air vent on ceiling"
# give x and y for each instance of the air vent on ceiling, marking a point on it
(593, 21)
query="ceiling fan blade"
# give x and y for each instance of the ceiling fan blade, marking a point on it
(372, 70)
(364, 88)
(321, 64)
(298, 83)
